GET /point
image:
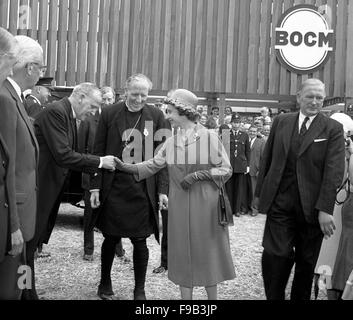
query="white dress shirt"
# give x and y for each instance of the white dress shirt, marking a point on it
(302, 118)
(16, 87)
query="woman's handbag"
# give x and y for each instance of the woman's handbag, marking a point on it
(225, 214)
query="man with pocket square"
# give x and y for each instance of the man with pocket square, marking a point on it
(302, 166)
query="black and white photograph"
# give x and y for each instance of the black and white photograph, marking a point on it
(180, 154)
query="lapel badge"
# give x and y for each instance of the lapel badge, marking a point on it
(145, 132)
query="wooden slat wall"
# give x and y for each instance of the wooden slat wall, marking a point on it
(210, 46)
(72, 45)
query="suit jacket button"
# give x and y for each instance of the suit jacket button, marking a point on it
(6, 205)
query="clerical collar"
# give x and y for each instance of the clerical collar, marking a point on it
(16, 87)
(129, 108)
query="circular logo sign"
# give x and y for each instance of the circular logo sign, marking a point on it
(304, 41)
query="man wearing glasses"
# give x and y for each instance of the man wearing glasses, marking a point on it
(18, 135)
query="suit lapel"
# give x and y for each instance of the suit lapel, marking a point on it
(72, 121)
(23, 114)
(315, 129)
(288, 128)
(256, 141)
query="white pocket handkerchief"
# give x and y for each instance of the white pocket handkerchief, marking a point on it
(320, 140)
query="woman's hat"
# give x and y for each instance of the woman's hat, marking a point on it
(185, 97)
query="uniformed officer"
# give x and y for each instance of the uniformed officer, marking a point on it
(35, 101)
(240, 161)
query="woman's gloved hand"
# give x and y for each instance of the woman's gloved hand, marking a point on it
(191, 178)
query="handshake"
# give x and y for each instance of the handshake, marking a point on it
(113, 163)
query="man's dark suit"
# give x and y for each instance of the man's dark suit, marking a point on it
(5, 240)
(55, 129)
(6, 263)
(239, 159)
(298, 178)
(17, 132)
(32, 106)
(257, 149)
(86, 136)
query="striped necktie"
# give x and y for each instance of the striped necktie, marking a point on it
(303, 128)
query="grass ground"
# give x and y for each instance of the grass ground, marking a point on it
(66, 276)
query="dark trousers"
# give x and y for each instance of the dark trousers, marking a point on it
(235, 190)
(9, 289)
(44, 227)
(164, 245)
(31, 247)
(88, 235)
(140, 261)
(247, 195)
(288, 240)
(44, 231)
(253, 186)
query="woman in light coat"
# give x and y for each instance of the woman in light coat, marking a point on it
(198, 247)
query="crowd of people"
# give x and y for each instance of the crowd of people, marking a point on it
(138, 160)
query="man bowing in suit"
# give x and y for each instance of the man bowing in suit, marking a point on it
(303, 165)
(16, 130)
(56, 131)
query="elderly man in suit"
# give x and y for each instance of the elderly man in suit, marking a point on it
(10, 244)
(240, 161)
(18, 135)
(128, 209)
(303, 165)
(56, 131)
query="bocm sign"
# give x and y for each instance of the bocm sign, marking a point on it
(304, 41)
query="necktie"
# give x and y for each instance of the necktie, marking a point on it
(303, 128)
